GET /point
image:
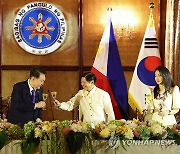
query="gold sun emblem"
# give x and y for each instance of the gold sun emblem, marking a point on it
(40, 28)
(101, 49)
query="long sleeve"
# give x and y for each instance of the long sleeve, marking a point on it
(71, 104)
(21, 102)
(67, 106)
(80, 114)
(22, 109)
(39, 98)
(108, 107)
(176, 98)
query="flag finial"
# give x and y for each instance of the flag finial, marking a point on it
(151, 6)
(109, 9)
(151, 20)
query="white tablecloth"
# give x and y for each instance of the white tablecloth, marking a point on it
(10, 148)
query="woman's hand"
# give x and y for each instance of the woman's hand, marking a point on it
(156, 110)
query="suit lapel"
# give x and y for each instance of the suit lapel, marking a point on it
(27, 92)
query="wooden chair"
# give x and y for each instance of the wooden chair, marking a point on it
(4, 106)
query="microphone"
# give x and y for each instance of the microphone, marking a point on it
(145, 110)
(52, 113)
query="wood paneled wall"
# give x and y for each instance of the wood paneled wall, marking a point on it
(65, 65)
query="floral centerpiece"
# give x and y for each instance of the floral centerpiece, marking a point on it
(79, 134)
(55, 136)
(8, 132)
(117, 131)
(48, 133)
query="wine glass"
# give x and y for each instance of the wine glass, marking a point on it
(149, 97)
(54, 94)
(45, 96)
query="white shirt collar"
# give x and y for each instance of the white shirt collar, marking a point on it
(93, 90)
(30, 87)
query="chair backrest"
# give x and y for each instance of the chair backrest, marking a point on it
(7, 105)
(1, 108)
(9, 101)
(4, 106)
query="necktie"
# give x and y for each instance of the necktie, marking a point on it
(33, 96)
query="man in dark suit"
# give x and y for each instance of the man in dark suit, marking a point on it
(26, 98)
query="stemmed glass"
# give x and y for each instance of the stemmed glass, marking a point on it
(45, 96)
(54, 94)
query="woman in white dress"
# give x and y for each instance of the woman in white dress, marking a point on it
(163, 101)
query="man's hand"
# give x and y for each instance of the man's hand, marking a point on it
(56, 103)
(40, 104)
(38, 120)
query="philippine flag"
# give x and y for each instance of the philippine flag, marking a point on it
(108, 70)
(148, 61)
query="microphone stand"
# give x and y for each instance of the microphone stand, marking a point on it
(127, 115)
(1, 108)
(51, 106)
(137, 117)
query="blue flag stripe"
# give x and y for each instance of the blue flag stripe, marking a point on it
(115, 74)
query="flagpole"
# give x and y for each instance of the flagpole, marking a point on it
(122, 108)
(151, 7)
(143, 75)
(108, 69)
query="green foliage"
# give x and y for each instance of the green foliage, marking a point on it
(28, 145)
(3, 138)
(144, 132)
(15, 132)
(66, 123)
(29, 129)
(74, 141)
(170, 133)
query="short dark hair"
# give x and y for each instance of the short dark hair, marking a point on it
(36, 71)
(89, 76)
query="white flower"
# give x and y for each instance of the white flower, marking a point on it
(76, 127)
(122, 121)
(47, 127)
(129, 134)
(131, 124)
(37, 132)
(156, 128)
(112, 127)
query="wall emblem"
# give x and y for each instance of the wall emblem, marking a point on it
(39, 28)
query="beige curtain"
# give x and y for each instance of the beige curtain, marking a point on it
(172, 39)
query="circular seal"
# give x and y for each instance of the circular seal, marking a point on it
(39, 28)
